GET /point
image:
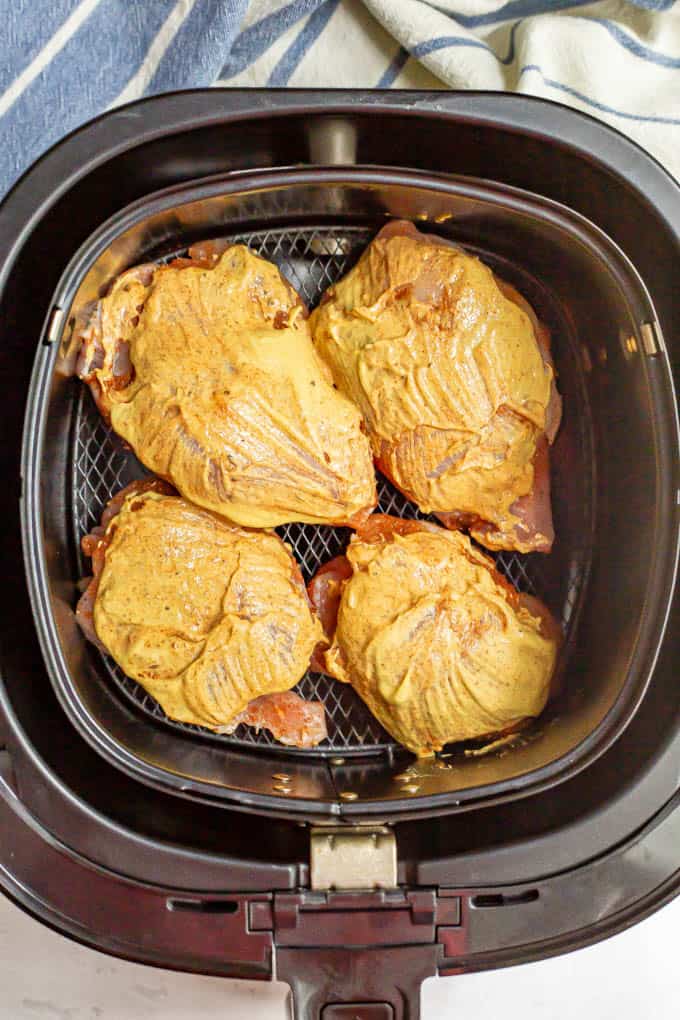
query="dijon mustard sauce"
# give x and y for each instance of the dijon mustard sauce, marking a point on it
(446, 370)
(205, 615)
(438, 648)
(225, 395)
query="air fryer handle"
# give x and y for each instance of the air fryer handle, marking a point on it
(356, 984)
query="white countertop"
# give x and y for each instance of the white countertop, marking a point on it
(633, 976)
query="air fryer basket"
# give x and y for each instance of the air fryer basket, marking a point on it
(610, 489)
(312, 258)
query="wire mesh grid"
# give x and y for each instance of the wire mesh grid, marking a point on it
(311, 259)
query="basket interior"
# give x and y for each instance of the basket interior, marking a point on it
(312, 258)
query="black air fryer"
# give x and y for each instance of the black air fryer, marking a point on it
(352, 871)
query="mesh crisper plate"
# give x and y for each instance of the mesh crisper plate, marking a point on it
(312, 259)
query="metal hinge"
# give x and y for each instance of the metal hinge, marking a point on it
(306, 920)
(54, 325)
(652, 338)
(353, 857)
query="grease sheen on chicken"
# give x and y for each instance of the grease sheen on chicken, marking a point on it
(207, 369)
(436, 642)
(453, 375)
(212, 619)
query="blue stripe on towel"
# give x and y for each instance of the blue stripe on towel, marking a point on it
(195, 55)
(633, 45)
(258, 38)
(281, 74)
(509, 10)
(422, 49)
(393, 69)
(595, 103)
(427, 46)
(653, 5)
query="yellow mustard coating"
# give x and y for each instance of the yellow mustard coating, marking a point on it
(438, 649)
(446, 370)
(205, 615)
(229, 400)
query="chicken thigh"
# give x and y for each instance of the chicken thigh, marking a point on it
(207, 369)
(211, 619)
(452, 373)
(435, 641)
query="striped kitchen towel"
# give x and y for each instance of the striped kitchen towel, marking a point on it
(64, 61)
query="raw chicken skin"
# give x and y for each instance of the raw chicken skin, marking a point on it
(207, 369)
(289, 718)
(437, 643)
(453, 375)
(207, 616)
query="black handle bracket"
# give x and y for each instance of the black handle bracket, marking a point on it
(371, 983)
(359, 956)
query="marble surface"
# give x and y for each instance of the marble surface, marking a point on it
(43, 976)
